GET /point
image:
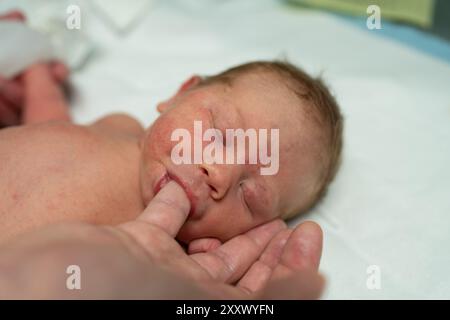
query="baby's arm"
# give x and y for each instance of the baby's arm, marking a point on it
(44, 99)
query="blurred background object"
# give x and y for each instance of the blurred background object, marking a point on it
(430, 15)
(23, 47)
(47, 37)
(122, 14)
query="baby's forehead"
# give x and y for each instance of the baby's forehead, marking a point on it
(265, 102)
(274, 109)
(277, 108)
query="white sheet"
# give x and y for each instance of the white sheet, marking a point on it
(390, 204)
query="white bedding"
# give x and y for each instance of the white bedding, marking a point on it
(390, 204)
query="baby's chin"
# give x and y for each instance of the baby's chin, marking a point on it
(189, 231)
(194, 229)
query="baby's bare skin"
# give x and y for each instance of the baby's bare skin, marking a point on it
(59, 171)
(54, 171)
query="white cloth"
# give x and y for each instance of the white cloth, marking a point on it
(44, 37)
(21, 47)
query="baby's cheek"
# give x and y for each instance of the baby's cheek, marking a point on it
(158, 139)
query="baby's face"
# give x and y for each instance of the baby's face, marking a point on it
(228, 199)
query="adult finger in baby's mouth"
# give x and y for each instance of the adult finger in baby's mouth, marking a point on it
(169, 209)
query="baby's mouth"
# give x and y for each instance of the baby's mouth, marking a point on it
(161, 183)
(165, 180)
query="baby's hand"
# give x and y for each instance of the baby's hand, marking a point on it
(12, 91)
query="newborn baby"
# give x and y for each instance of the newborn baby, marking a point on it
(52, 170)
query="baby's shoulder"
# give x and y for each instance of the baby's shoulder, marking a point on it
(121, 123)
(47, 133)
(56, 141)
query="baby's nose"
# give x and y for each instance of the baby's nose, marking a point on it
(219, 177)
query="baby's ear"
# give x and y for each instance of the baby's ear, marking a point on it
(192, 82)
(188, 84)
(162, 106)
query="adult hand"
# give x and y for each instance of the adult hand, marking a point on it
(12, 91)
(141, 259)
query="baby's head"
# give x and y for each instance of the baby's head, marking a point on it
(230, 198)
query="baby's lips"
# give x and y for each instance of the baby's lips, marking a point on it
(174, 196)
